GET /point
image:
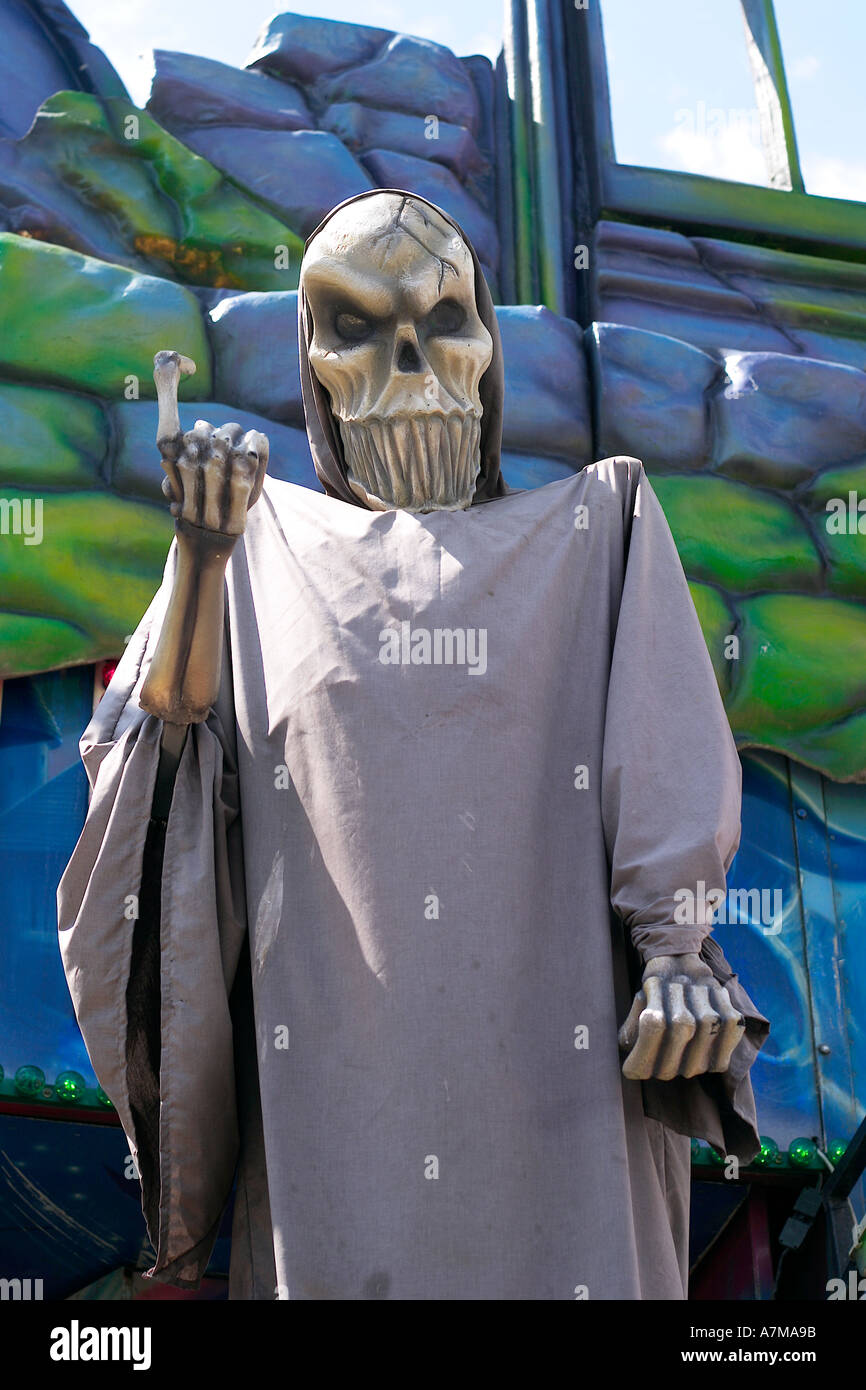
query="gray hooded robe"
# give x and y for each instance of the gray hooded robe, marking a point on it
(376, 975)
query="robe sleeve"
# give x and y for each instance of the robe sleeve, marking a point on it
(671, 796)
(151, 921)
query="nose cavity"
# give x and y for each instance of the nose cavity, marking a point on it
(408, 358)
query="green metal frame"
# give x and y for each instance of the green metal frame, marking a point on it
(566, 176)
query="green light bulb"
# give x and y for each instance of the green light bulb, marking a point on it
(29, 1081)
(69, 1085)
(836, 1151)
(103, 1098)
(769, 1152)
(716, 1157)
(802, 1153)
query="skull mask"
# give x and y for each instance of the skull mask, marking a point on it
(399, 346)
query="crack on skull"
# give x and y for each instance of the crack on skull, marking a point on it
(398, 225)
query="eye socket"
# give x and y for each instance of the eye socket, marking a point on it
(446, 317)
(352, 327)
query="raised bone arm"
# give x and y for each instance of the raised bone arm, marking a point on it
(212, 478)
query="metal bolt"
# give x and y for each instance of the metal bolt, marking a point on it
(801, 812)
(824, 1049)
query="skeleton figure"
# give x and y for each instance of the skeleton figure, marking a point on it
(400, 348)
(402, 375)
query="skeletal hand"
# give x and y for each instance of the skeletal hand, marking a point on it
(213, 476)
(682, 1022)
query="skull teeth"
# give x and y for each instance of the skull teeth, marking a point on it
(419, 462)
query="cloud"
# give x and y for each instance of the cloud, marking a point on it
(803, 69)
(833, 177)
(724, 144)
(484, 42)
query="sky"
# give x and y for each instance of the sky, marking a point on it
(682, 95)
(681, 90)
(128, 30)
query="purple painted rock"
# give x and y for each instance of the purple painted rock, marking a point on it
(392, 170)
(300, 174)
(410, 75)
(364, 128)
(189, 91)
(301, 47)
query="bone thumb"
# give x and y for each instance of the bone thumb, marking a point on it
(168, 367)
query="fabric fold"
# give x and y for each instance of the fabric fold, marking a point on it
(150, 965)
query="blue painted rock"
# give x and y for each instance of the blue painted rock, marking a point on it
(522, 471)
(364, 128)
(300, 174)
(411, 75)
(301, 47)
(392, 170)
(649, 393)
(105, 179)
(137, 471)
(41, 54)
(547, 409)
(254, 339)
(781, 418)
(188, 91)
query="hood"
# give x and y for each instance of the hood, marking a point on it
(322, 431)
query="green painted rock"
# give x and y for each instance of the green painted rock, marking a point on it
(88, 571)
(63, 437)
(105, 178)
(80, 323)
(800, 684)
(738, 537)
(719, 624)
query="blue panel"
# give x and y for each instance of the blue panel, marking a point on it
(771, 962)
(830, 1012)
(806, 838)
(845, 808)
(43, 800)
(67, 1212)
(70, 1205)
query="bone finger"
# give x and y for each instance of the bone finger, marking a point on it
(168, 489)
(198, 445)
(168, 367)
(679, 1030)
(639, 1064)
(232, 433)
(263, 449)
(698, 1056)
(629, 1030)
(240, 480)
(733, 1026)
(216, 472)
